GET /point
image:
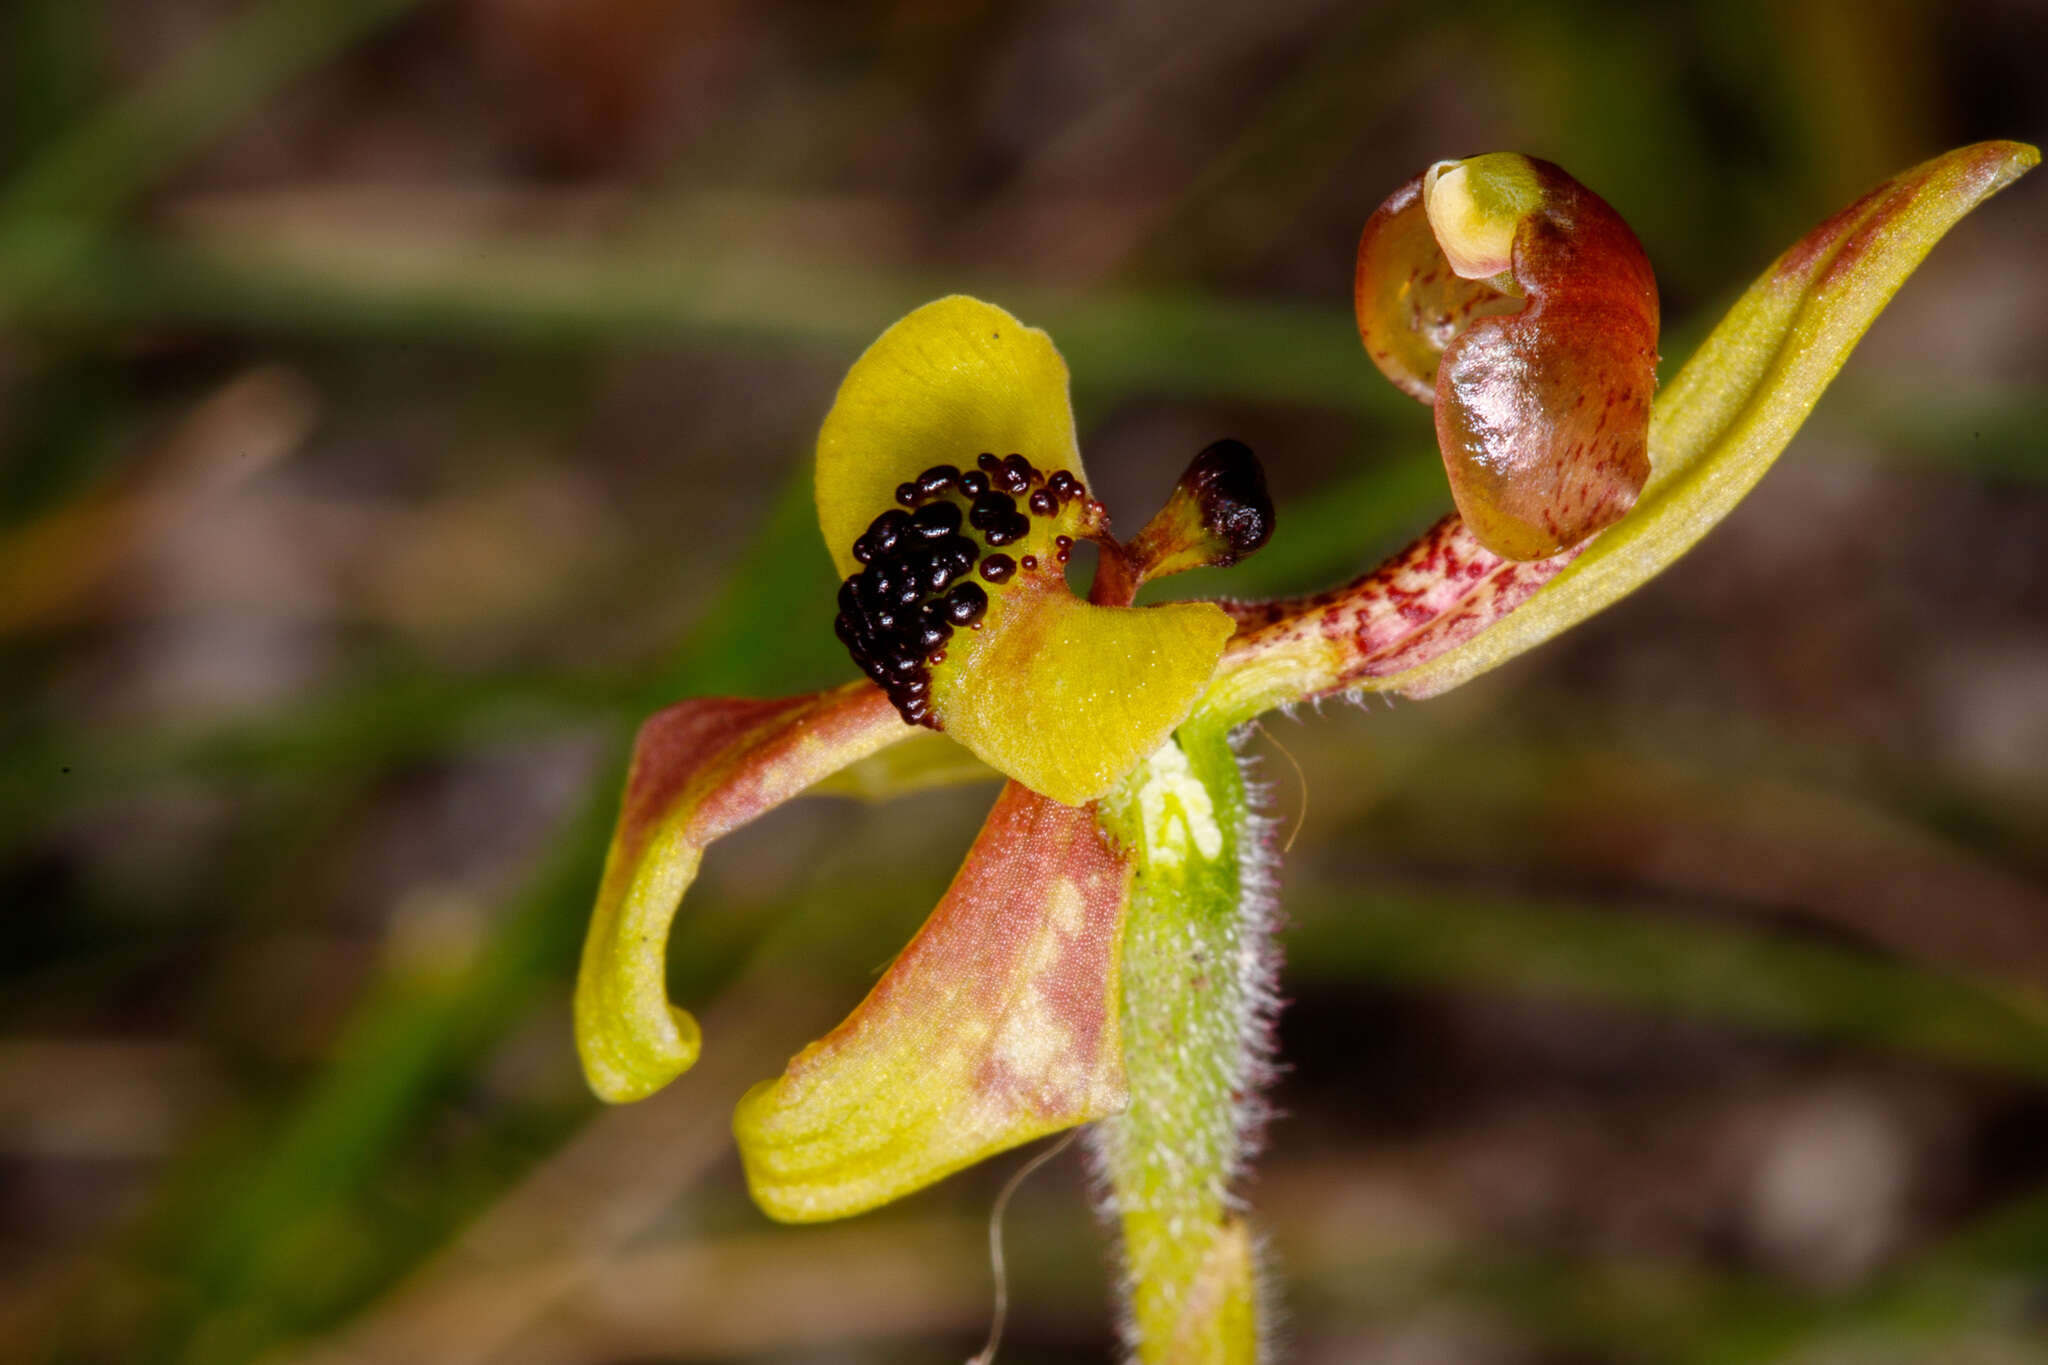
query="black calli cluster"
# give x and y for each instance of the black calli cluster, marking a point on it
(920, 562)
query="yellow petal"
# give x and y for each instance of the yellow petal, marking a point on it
(953, 380)
(700, 769)
(1067, 697)
(998, 1024)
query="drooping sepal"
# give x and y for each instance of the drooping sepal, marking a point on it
(998, 1024)
(700, 769)
(1517, 302)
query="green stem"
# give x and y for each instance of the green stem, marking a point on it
(1197, 1011)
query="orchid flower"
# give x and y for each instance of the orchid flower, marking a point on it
(1104, 955)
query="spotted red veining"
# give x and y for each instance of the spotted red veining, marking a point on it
(1435, 595)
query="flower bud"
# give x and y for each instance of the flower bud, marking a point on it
(1519, 304)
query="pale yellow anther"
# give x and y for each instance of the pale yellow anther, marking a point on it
(1474, 208)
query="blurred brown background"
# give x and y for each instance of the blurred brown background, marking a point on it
(398, 400)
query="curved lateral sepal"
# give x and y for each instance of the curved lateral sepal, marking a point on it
(701, 768)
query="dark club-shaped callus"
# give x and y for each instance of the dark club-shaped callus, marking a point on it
(1219, 513)
(1517, 302)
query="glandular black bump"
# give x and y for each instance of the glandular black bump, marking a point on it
(886, 530)
(1013, 475)
(990, 509)
(936, 519)
(916, 585)
(960, 552)
(965, 604)
(1229, 487)
(1009, 530)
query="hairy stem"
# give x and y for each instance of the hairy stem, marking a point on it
(1197, 1014)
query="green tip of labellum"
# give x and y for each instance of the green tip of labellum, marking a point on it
(1729, 412)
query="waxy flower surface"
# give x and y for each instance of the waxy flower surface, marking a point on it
(1103, 956)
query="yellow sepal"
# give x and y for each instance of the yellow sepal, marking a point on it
(701, 768)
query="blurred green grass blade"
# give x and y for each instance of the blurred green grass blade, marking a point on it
(393, 712)
(1117, 342)
(1940, 1305)
(201, 94)
(509, 291)
(1985, 430)
(1668, 965)
(50, 71)
(538, 292)
(770, 629)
